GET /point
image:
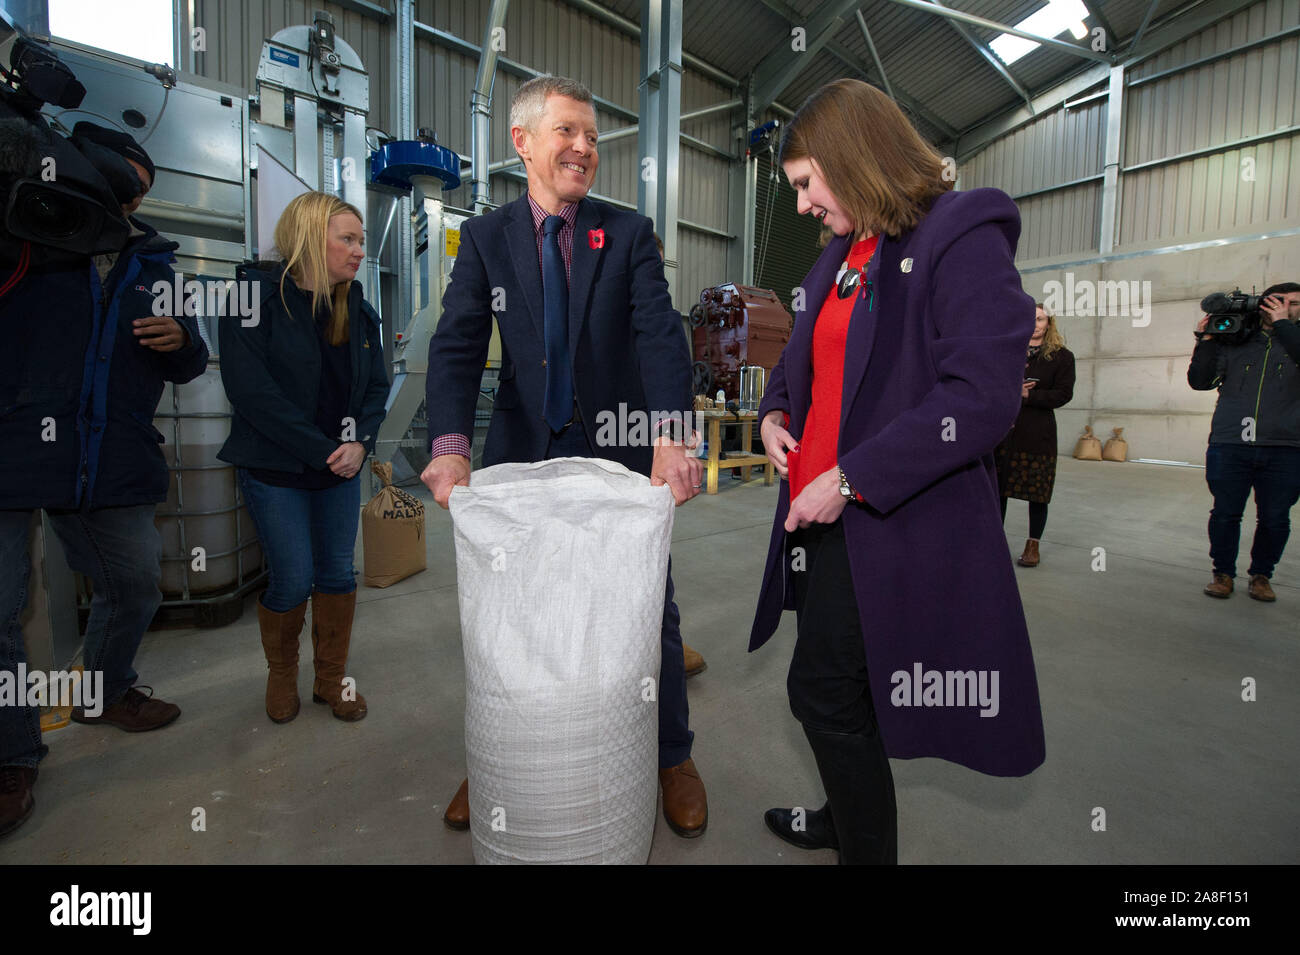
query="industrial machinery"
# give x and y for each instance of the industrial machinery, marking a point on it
(309, 114)
(226, 163)
(426, 169)
(734, 326)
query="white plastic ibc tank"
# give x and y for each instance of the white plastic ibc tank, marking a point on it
(200, 510)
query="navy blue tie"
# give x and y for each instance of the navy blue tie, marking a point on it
(558, 410)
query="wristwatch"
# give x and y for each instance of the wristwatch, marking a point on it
(845, 489)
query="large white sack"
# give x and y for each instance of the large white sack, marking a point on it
(561, 567)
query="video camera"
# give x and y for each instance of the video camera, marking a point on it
(1234, 315)
(61, 199)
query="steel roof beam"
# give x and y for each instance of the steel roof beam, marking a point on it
(875, 57)
(780, 67)
(964, 32)
(1094, 10)
(1146, 21)
(940, 11)
(1173, 28)
(850, 59)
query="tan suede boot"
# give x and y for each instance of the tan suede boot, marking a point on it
(280, 633)
(694, 661)
(331, 634)
(1030, 557)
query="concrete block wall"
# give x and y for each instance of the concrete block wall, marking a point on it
(1132, 374)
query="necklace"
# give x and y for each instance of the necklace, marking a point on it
(850, 281)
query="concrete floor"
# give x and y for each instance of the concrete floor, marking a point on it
(1140, 677)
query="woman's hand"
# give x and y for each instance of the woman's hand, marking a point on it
(347, 458)
(819, 503)
(776, 441)
(1025, 387)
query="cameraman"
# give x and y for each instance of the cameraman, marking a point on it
(1254, 437)
(83, 360)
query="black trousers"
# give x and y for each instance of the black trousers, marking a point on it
(828, 674)
(831, 696)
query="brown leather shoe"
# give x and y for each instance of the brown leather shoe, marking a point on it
(457, 814)
(686, 807)
(134, 712)
(1030, 557)
(694, 662)
(16, 802)
(331, 635)
(280, 632)
(1260, 590)
(1220, 586)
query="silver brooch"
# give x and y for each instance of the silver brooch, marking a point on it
(906, 265)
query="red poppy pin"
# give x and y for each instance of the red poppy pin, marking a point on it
(596, 238)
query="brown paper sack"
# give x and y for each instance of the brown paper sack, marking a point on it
(1089, 446)
(392, 532)
(1116, 448)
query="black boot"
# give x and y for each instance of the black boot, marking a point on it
(805, 828)
(855, 773)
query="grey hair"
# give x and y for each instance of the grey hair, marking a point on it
(530, 99)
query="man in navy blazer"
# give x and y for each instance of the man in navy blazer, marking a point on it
(623, 353)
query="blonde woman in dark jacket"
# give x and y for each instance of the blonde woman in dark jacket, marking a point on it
(1026, 458)
(308, 383)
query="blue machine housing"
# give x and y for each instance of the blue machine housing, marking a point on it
(394, 163)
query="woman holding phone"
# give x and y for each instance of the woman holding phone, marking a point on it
(307, 382)
(1026, 458)
(902, 373)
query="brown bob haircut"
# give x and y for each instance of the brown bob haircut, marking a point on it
(874, 162)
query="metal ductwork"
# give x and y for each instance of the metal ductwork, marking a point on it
(480, 103)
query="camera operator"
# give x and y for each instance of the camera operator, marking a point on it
(1254, 437)
(83, 361)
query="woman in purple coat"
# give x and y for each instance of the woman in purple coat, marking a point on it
(902, 373)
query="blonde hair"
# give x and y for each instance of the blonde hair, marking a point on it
(301, 236)
(1053, 340)
(871, 158)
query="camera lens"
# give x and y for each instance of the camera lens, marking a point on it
(48, 214)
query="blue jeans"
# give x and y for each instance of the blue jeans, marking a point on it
(1232, 470)
(675, 736)
(118, 548)
(308, 538)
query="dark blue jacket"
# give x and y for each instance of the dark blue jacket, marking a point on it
(626, 341)
(271, 370)
(1258, 379)
(78, 391)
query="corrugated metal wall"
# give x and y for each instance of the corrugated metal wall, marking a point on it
(1132, 373)
(1208, 107)
(1061, 147)
(545, 35)
(1251, 188)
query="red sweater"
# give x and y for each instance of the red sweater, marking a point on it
(818, 449)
